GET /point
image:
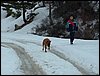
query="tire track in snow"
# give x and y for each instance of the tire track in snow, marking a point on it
(28, 65)
(75, 64)
(82, 69)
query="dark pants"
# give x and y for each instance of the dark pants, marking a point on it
(72, 37)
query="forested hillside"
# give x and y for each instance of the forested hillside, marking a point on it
(86, 12)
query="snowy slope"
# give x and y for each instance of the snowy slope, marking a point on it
(43, 13)
(3, 13)
(10, 26)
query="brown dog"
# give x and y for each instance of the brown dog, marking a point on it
(46, 43)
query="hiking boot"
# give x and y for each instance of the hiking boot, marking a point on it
(71, 42)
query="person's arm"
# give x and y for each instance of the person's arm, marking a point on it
(77, 25)
(67, 26)
(76, 22)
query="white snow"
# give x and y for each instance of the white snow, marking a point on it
(43, 13)
(3, 13)
(82, 52)
(62, 59)
(10, 26)
(10, 63)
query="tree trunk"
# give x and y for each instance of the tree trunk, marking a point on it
(43, 3)
(50, 14)
(23, 12)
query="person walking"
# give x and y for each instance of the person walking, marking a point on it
(72, 27)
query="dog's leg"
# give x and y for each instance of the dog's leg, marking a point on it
(49, 47)
(45, 48)
(43, 45)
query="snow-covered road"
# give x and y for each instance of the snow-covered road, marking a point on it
(83, 70)
(30, 67)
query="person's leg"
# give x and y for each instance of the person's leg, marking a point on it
(72, 37)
